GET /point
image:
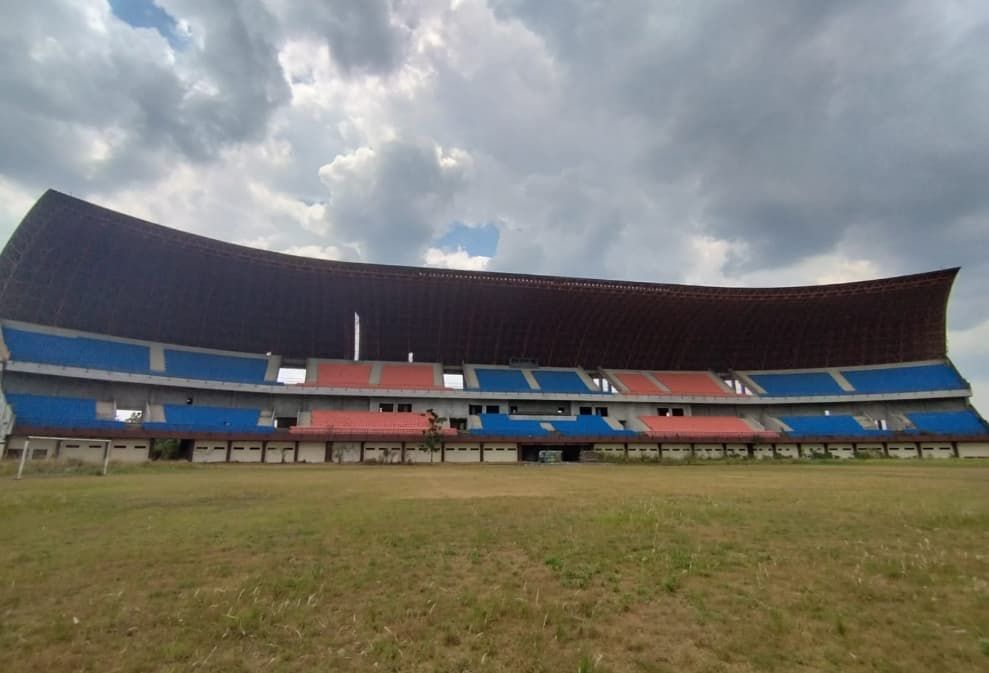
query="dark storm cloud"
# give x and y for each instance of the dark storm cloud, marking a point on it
(362, 35)
(95, 103)
(800, 122)
(389, 199)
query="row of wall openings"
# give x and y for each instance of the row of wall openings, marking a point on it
(593, 411)
(403, 407)
(668, 411)
(475, 409)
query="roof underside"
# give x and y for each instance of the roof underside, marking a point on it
(75, 265)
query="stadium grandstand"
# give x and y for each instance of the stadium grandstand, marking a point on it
(117, 332)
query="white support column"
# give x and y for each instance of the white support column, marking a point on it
(24, 452)
(106, 457)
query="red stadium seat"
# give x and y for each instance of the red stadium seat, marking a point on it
(343, 375)
(417, 377)
(691, 383)
(638, 383)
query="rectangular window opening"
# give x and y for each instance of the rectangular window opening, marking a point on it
(291, 375)
(129, 415)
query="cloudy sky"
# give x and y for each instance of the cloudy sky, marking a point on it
(717, 142)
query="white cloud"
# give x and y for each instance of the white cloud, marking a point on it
(456, 259)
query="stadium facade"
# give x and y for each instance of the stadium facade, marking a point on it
(117, 332)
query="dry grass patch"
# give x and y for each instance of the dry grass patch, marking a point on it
(870, 567)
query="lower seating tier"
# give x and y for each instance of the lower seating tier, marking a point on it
(58, 412)
(822, 426)
(965, 422)
(182, 417)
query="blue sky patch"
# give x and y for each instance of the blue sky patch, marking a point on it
(482, 240)
(146, 14)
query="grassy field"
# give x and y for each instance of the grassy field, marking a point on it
(873, 566)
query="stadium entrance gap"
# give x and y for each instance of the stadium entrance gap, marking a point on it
(571, 452)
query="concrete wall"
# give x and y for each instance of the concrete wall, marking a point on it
(643, 451)
(811, 449)
(973, 449)
(279, 452)
(312, 452)
(40, 448)
(676, 451)
(763, 451)
(245, 451)
(709, 451)
(382, 452)
(736, 450)
(933, 450)
(615, 451)
(417, 454)
(344, 452)
(461, 452)
(787, 451)
(841, 450)
(130, 450)
(501, 453)
(210, 451)
(869, 450)
(902, 450)
(78, 449)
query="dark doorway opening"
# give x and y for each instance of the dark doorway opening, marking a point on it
(571, 452)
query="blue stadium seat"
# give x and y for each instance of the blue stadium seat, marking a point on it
(502, 381)
(76, 351)
(820, 426)
(806, 383)
(502, 426)
(195, 365)
(965, 422)
(180, 417)
(588, 426)
(58, 412)
(553, 381)
(911, 378)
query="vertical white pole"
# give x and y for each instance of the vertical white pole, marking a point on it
(24, 452)
(106, 457)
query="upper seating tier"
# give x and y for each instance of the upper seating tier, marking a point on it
(561, 381)
(72, 351)
(965, 422)
(835, 425)
(58, 412)
(798, 384)
(502, 381)
(699, 426)
(904, 379)
(691, 383)
(214, 367)
(343, 375)
(411, 376)
(637, 383)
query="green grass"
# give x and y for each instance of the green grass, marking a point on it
(866, 566)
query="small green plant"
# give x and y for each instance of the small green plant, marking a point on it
(588, 665)
(165, 449)
(432, 436)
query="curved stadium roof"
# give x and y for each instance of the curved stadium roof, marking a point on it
(76, 265)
